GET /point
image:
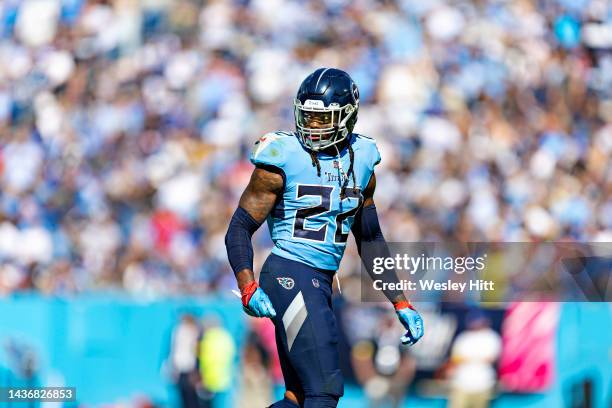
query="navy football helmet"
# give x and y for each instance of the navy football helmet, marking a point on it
(326, 108)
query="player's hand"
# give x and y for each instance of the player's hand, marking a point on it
(255, 302)
(411, 320)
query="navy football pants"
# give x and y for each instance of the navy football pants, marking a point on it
(306, 331)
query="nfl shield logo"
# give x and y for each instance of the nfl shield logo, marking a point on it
(315, 282)
(286, 283)
(336, 164)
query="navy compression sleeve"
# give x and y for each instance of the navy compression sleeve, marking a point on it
(366, 228)
(238, 240)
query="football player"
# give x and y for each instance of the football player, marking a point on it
(312, 186)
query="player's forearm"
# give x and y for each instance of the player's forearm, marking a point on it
(238, 244)
(396, 297)
(399, 298)
(367, 229)
(244, 278)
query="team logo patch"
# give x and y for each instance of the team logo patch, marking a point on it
(315, 282)
(262, 143)
(286, 283)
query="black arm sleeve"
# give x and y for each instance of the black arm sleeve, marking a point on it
(366, 229)
(366, 226)
(238, 240)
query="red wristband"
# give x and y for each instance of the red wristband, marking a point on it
(247, 292)
(403, 304)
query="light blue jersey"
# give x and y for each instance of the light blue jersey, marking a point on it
(310, 224)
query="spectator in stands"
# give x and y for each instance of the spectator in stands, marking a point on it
(472, 363)
(216, 359)
(255, 380)
(126, 126)
(183, 360)
(382, 365)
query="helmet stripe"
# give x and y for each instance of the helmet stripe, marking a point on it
(321, 76)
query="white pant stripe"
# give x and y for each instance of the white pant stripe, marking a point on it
(294, 318)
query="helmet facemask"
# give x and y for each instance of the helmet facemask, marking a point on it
(320, 127)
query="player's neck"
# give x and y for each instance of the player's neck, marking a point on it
(333, 150)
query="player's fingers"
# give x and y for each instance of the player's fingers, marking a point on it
(270, 312)
(262, 309)
(266, 306)
(417, 329)
(406, 339)
(414, 332)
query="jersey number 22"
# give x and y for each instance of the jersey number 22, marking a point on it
(300, 230)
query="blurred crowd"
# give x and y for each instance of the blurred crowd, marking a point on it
(126, 126)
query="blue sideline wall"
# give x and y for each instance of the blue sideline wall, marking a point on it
(112, 347)
(109, 347)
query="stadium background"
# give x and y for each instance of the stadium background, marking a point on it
(126, 126)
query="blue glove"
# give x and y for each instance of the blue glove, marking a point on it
(411, 320)
(256, 303)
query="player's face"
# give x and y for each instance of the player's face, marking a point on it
(319, 120)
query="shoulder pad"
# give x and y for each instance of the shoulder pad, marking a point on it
(370, 149)
(271, 149)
